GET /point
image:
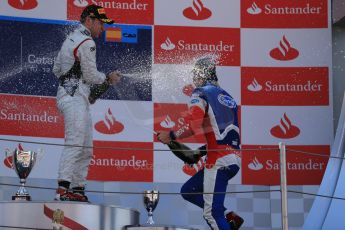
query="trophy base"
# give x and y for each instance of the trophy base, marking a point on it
(21, 198)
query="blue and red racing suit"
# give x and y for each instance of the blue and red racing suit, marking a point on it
(213, 113)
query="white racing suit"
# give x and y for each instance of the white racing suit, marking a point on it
(78, 46)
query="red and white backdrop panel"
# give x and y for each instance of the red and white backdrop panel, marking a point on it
(274, 59)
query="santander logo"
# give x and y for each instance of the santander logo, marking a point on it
(197, 11)
(167, 123)
(80, 3)
(23, 4)
(254, 86)
(109, 125)
(284, 52)
(192, 169)
(255, 165)
(285, 129)
(117, 5)
(168, 45)
(188, 90)
(254, 9)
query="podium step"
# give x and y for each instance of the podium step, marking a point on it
(159, 227)
(68, 215)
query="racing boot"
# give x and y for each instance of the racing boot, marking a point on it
(234, 220)
(62, 194)
(79, 194)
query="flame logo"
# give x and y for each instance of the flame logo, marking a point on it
(284, 52)
(80, 3)
(109, 125)
(285, 129)
(188, 90)
(23, 4)
(254, 86)
(255, 165)
(197, 11)
(168, 45)
(9, 159)
(167, 123)
(193, 169)
(254, 9)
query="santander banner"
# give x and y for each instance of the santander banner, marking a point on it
(293, 125)
(198, 13)
(46, 9)
(285, 86)
(122, 11)
(125, 121)
(181, 45)
(274, 59)
(262, 167)
(285, 47)
(30, 116)
(23, 5)
(284, 14)
(122, 161)
(171, 117)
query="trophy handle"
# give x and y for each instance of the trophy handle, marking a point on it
(7, 152)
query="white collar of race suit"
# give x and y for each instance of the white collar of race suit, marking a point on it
(84, 30)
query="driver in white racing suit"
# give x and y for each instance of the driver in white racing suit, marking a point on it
(75, 66)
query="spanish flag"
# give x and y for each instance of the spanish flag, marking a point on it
(113, 35)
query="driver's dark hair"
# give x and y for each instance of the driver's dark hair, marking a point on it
(86, 12)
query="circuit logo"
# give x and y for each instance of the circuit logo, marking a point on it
(59, 219)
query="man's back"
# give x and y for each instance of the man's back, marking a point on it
(220, 124)
(65, 59)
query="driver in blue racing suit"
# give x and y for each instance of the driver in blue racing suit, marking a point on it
(213, 113)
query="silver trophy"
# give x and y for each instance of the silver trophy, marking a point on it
(22, 163)
(151, 198)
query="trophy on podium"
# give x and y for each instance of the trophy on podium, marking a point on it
(22, 163)
(151, 198)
